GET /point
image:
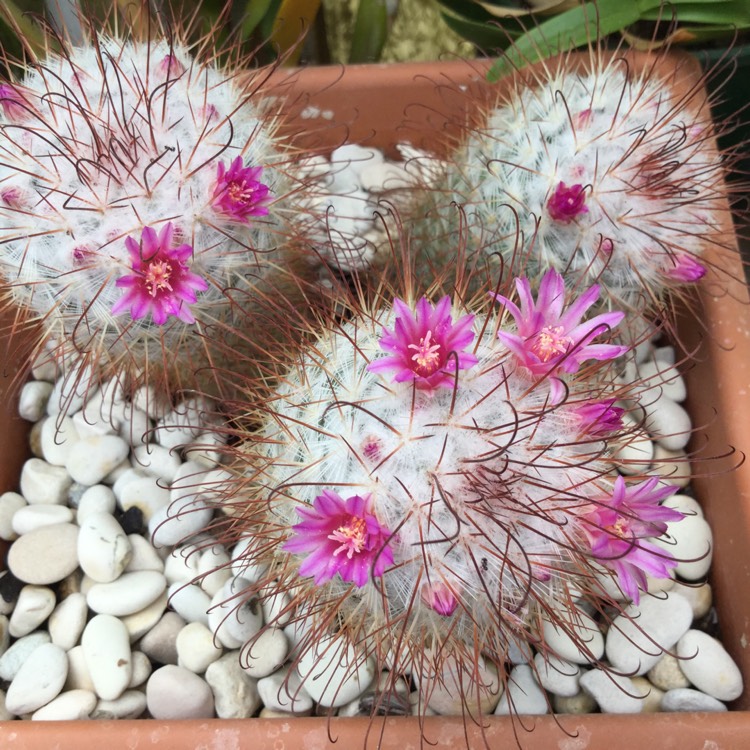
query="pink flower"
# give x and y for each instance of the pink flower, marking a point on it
(239, 193)
(13, 104)
(685, 268)
(161, 282)
(170, 67)
(617, 529)
(426, 347)
(552, 340)
(599, 418)
(341, 536)
(439, 597)
(567, 202)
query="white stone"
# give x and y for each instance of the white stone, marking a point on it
(232, 618)
(708, 665)
(71, 390)
(672, 466)
(130, 593)
(39, 680)
(139, 623)
(379, 178)
(144, 556)
(181, 564)
(125, 478)
(67, 621)
(242, 564)
(46, 555)
(581, 703)
(235, 693)
(122, 468)
(637, 638)
(148, 400)
(354, 159)
(276, 607)
(196, 648)
(661, 379)
(574, 636)
(4, 634)
(685, 699)
(43, 483)
(699, 596)
(176, 693)
(333, 673)
(91, 459)
(667, 674)
(44, 365)
(58, 437)
(214, 569)
(179, 520)
(141, 669)
(614, 693)
(635, 454)
(32, 402)
(282, 691)
(106, 650)
(160, 643)
(34, 606)
(523, 694)
(184, 423)
(685, 504)
(32, 517)
(79, 677)
(668, 423)
(136, 428)
(72, 705)
(130, 705)
(103, 547)
(10, 504)
(96, 499)
(19, 653)
(690, 542)
(97, 417)
(558, 676)
(157, 461)
(265, 653)
(206, 449)
(144, 493)
(190, 602)
(652, 695)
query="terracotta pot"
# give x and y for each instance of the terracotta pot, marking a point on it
(381, 106)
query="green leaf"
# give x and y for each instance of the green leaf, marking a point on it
(737, 12)
(571, 29)
(486, 36)
(370, 31)
(255, 12)
(22, 27)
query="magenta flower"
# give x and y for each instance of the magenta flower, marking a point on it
(618, 527)
(239, 193)
(13, 104)
(170, 67)
(161, 282)
(439, 597)
(426, 347)
(599, 418)
(685, 268)
(341, 536)
(567, 202)
(552, 340)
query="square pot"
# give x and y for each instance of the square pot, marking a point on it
(381, 106)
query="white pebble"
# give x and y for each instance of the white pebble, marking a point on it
(96, 417)
(196, 648)
(176, 693)
(668, 423)
(614, 693)
(32, 401)
(523, 695)
(690, 542)
(146, 399)
(574, 637)
(79, 677)
(144, 493)
(635, 454)
(73, 705)
(181, 564)
(333, 673)
(708, 665)
(19, 653)
(159, 644)
(106, 651)
(672, 466)
(141, 669)
(378, 178)
(233, 619)
(10, 504)
(667, 674)
(139, 623)
(43, 483)
(181, 519)
(637, 638)
(190, 602)
(91, 459)
(699, 596)
(214, 569)
(71, 390)
(144, 556)
(157, 461)
(662, 378)
(206, 449)
(265, 653)
(130, 705)
(34, 606)
(282, 691)
(685, 699)
(685, 504)
(67, 621)
(58, 437)
(96, 499)
(103, 547)
(46, 555)
(556, 675)
(39, 680)
(276, 607)
(235, 693)
(135, 428)
(130, 593)
(32, 517)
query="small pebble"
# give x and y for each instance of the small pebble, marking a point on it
(79, 677)
(143, 493)
(523, 694)
(72, 705)
(32, 517)
(652, 695)
(130, 593)
(174, 692)
(690, 542)
(106, 651)
(58, 438)
(666, 674)
(10, 504)
(196, 648)
(19, 653)
(668, 423)
(130, 705)
(91, 459)
(103, 547)
(556, 675)
(144, 556)
(708, 665)
(32, 401)
(43, 483)
(265, 653)
(96, 499)
(235, 692)
(282, 691)
(700, 597)
(160, 643)
(46, 555)
(157, 461)
(580, 703)
(575, 637)
(190, 601)
(684, 699)
(68, 620)
(34, 606)
(142, 669)
(613, 693)
(39, 680)
(141, 622)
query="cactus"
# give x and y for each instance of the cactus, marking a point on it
(607, 174)
(435, 504)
